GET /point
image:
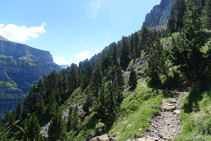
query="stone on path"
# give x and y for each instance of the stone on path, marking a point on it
(167, 125)
(101, 138)
(168, 107)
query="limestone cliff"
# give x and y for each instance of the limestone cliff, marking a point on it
(21, 66)
(159, 15)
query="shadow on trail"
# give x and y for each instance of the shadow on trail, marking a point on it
(195, 96)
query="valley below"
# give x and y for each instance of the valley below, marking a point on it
(9, 105)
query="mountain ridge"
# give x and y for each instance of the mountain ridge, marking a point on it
(159, 15)
(20, 62)
(20, 68)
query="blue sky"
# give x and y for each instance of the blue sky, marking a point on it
(72, 30)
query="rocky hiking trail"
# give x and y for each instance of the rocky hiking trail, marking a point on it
(166, 126)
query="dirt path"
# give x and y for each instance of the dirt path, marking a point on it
(167, 125)
(164, 127)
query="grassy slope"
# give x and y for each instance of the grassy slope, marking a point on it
(138, 108)
(196, 114)
(76, 97)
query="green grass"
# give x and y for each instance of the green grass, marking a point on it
(138, 108)
(196, 114)
(135, 124)
(76, 97)
(169, 38)
(205, 48)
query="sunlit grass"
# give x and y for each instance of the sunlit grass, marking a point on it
(138, 108)
(196, 115)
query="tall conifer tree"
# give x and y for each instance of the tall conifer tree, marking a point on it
(208, 14)
(32, 129)
(96, 81)
(19, 111)
(156, 63)
(186, 51)
(133, 79)
(125, 53)
(57, 128)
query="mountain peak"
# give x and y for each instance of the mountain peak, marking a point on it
(159, 15)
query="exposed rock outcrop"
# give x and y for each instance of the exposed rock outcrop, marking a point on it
(159, 15)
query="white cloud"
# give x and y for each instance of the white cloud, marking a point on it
(93, 7)
(83, 55)
(1, 25)
(21, 33)
(60, 60)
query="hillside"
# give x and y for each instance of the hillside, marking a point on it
(151, 85)
(20, 68)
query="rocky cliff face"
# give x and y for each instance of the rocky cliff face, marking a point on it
(21, 66)
(159, 15)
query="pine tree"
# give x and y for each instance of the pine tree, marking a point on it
(208, 14)
(3, 137)
(6, 116)
(51, 104)
(116, 81)
(87, 104)
(87, 73)
(32, 129)
(73, 79)
(119, 79)
(146, 39)
(96, 81)
(70, 119)
(181, 13)
(41, 108)
(175, 22)
(11, 117)
(106, 61)
(125, 53)
(60, 84)
(105, 107)
(57, 128)
(52, 80)
(156, 64)
(117, 86)
(171, 25)
(136, 45)
(115, 55)
(186, 50)
(19, 111)
(73, 119)
(30, 101)
(132, 79)
(132, 47)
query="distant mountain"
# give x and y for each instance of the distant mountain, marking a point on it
(64, 66)
(159, 15)
(20, 67)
